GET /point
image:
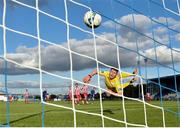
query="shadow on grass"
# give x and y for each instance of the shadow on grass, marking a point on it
(29, 116)
(111, 111)
(108, 111)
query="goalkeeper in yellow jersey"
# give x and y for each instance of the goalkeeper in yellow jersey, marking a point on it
(113, 79)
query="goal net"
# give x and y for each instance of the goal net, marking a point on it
(46, 49)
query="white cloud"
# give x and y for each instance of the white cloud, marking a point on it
(177, 37)
(1, 84)
(163, 54)
(141, 22)
(24, 59)
(58, 59)
(172, 23)
(161, 30)
(143, 26)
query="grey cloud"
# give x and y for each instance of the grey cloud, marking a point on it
(13, 69)
(57, 59)
(34, 84)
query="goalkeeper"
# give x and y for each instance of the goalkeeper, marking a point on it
(113, 79)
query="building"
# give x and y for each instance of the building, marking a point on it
(169, 83)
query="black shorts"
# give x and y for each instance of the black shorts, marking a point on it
(82, 96)
(113, 89)
(75, 96)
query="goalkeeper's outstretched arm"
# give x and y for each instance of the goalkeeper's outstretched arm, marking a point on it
(126, 74)
(87, 78)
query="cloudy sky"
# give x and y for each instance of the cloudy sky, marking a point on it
(150, 31)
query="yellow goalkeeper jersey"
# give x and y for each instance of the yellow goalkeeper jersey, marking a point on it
(115, 84)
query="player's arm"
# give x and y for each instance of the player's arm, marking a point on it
(87, 78)
(125, 74)
(124, 85)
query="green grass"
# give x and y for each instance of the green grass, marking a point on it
(23, 115)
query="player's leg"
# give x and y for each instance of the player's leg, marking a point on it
(93, 95)
(70, 97)
(85, 98)
(27, 100)
(75, 99)
(82, 96)
(78, 98)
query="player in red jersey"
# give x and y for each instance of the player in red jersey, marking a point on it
(70, 93)
(84, 94)
(77, 94)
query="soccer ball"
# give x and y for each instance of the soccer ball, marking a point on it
(92, 19)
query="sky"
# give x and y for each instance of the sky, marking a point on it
(132, 24)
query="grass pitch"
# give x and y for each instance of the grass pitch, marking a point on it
(24, 115)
